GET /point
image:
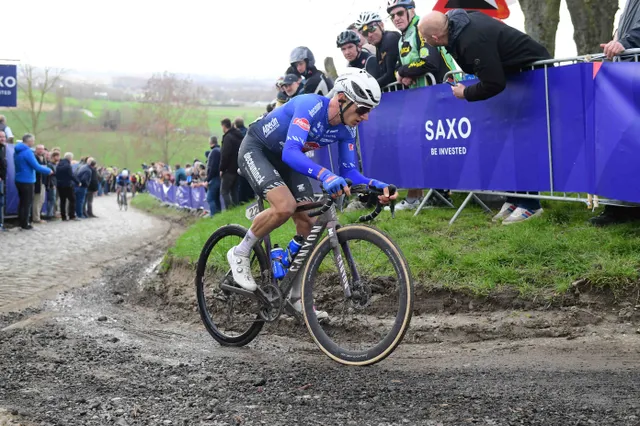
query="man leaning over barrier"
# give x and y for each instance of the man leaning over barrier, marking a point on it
(627, 36)
(489, 49)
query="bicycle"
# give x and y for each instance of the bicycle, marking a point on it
(348, 292)
(122, 198)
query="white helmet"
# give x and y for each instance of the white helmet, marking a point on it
(366, 18)
(359, 86)
(125, 173)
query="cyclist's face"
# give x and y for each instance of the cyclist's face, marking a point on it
(355, 114)
(373, 33)
(350, 51)
(400, 17)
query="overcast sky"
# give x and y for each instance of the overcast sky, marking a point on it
(250, 38)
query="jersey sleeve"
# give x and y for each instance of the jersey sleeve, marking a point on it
(297, 135)
(349, 162)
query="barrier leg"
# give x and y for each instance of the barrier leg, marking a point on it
(424, 201)
(481, 203)
(462, 206)
(439, 195)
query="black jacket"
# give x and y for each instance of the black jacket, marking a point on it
(83, 174)
(3, 162)
(213, 164)
(64, 174)
(95, 181)
(315, 80)
(40, 179)
(50, 181)
(489, 49)
(387, 54)
(229, 152)
(367, 62)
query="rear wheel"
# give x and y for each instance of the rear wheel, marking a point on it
(367, 327)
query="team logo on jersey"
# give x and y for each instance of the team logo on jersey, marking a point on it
(270, 127)
(350, 147)
(405, 49)
(309, 146)
(313, 111)
(303, 123)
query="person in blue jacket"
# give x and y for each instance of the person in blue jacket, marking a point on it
(26, 167)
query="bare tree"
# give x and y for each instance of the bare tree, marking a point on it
(35, 83)
(170, 114)
(541, 18)
(592, 23)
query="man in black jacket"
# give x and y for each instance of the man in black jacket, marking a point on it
(3, 175)
(303, 64)
(213, 177)
(91, 189)
(229, 163)
(482, 46)
(65, 180)
(386, 43)
(489, 49)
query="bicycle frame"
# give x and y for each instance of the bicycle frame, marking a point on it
(329, 221)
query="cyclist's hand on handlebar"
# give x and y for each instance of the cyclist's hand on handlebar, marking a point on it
(386, 197)
(335, 186)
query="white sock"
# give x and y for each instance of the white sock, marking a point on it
(245, 246)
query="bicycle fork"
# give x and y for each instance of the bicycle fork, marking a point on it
(338, 258)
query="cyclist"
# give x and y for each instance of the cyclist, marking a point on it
(122, 182)
(303, 65)
(349, 43)
(272, 157)
(417, 58)
(386, 43)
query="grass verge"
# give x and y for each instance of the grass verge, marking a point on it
(545, 255)
(151, 205)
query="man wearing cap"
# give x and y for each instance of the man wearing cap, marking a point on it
(290, 86)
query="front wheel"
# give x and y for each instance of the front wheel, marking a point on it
(367, 327)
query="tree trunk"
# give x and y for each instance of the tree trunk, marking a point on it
(592, 23)
(541, 18)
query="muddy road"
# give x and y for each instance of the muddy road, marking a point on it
(111, 353)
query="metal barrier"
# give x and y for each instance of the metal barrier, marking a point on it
(630, 54)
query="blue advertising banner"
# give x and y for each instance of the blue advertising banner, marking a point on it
(617, 131)
(8, 85)
(572, 102)
(426, 138)
(183, 196)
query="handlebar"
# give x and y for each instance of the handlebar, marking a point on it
(361, 189)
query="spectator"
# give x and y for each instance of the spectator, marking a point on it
(39, 187)
(50, 183)
(482, 46)
(238, 123)
(231, 141)
(292, 86)
(386, 43)
(3, 175)
(25, 177)
(66, 179)
(303, 65)
(417, 59)
(213, 141)
(84, 180)
(6, 129)
(213, 179)
(92, 189)
(489, 49)
(349, 43)
(626, 36)
(180, 175)
(368, 47)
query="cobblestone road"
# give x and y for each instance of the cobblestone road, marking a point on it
(59, 255)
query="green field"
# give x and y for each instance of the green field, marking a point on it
(83, 135)
(539, 258)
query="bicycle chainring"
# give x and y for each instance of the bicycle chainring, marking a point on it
(271, 301)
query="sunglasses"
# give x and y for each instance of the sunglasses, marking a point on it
(362, 110)
(399, 14)
(368, 29)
